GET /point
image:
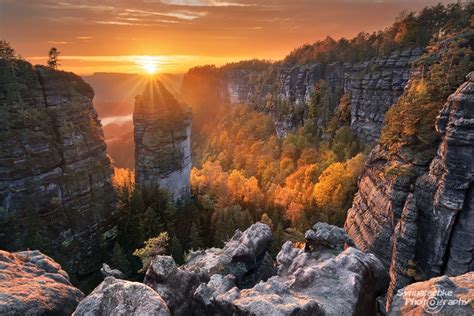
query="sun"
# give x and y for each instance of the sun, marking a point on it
(149, 67)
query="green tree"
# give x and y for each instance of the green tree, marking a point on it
(119, 259)
(53, 58)
(176, 250)
(153, 247)
(195, 239)
(6, 51)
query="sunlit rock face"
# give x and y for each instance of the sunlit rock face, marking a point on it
(418, 216)
(55, 177)
(34, 284)
(284, 91)
(162, 131)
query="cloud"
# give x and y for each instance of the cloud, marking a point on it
(182, 14)
(205, 3)
(84, 38)
(58, 42)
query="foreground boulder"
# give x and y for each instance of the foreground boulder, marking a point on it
(327, 280)
(175, 286)
(32, 283)
(442, 296)
(245, 256)
(120, 297)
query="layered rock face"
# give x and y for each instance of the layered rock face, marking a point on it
(327, 277)
(55, 176)
(438, 296)
(373, 85)
(33, 284)
(162, 131)
(419, 219)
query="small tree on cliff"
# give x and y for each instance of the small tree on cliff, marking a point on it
(53, 58)
(6, 51)
(153, 247)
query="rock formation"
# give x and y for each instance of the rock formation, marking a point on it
(162, 141)
(419, 219)
(323, 278)
(374, 85)
(33, 284)
(107, 271)
(55, 176)
(120, 297)
(438, 296)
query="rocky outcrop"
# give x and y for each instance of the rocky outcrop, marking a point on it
(120, 297)
(323, 281)
(441, 296)
(327, 277)
(243, 261)
(175, 286)
(417, 216)
(245, 256)
(55, 177)
(162, 131)
(284, 90)
(33, 284)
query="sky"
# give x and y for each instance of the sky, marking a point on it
(174, 35)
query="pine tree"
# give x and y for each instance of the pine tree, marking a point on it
(153, 247)
(195, 237)
(6, 51)
(176, 250)
(53, 58)
(279, 238)
(119, 260)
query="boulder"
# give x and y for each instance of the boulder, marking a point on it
(315, 281)
(119, 297)
(176, 286)
(107, 271)
(441, 296)
(344, 285)
(32, 283)
(244, 256)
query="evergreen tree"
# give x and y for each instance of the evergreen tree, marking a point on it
(195, 240)
(6, 51)
(176, 250)
(119, 260)
(53, 58)
(153, 247)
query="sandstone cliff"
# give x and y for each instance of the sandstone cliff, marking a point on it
(162, 130)
(55, 176)
(418, 218)
(284, 91)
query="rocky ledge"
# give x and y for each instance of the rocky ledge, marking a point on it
(328, 277)
(31, 283)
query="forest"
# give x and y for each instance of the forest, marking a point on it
(243, 172)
